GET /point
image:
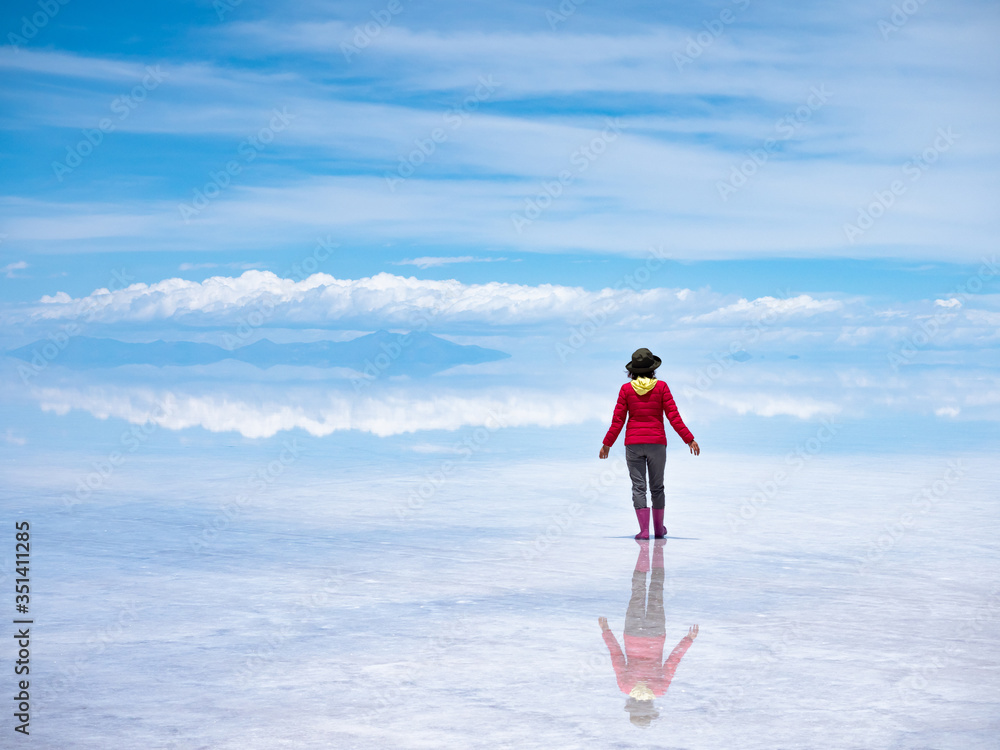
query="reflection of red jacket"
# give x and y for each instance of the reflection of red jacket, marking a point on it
(645, 416)
(643, 664)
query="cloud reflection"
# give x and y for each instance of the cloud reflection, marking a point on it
(263, 411)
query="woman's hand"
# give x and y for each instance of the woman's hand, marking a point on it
(693, 445)
(603, 622)
(693, 632)
(605, 450)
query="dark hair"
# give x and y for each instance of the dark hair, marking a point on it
(642, 375)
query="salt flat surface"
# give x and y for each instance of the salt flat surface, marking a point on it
(334, 606)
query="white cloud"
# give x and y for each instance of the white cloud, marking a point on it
(320, 411)
(200, 266)
(267, 404)
(768, 404)
(765, 308)
(68, 64)
(260, 410)
(59, 298)
(435, 448)
(11, 439)
(321, 298)
(984, 318)
(862, 334)
(434, 261)
(10, 268)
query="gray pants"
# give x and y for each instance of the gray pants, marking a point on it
(646, 618)
(639, 457)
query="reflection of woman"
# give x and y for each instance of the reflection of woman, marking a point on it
(642, 674)
(645, 400)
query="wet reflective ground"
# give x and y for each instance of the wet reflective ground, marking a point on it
(322, 592)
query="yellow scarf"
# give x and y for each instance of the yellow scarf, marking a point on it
(643, 385)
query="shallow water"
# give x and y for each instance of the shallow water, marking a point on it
(442, 588)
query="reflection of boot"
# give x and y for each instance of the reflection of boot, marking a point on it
(658, 555)
(643, 515)
(642, 562)
(659, 530)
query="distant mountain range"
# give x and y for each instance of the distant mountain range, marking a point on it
(375, 353)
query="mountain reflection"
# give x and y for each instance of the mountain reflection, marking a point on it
(379, 353)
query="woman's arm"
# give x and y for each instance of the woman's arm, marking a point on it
(674, 416)
(670, 665)
(618, 420)
(617, 657)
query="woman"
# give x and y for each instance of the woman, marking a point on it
(645, 400)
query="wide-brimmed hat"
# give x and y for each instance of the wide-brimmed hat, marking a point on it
(641, 713)
(643, 362)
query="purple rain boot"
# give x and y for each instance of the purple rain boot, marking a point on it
(643, 515)
(659, 530)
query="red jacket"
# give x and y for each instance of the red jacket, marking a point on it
(643, 661)
(645, 416)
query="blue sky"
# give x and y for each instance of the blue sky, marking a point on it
(696, 92)
(513, 172)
